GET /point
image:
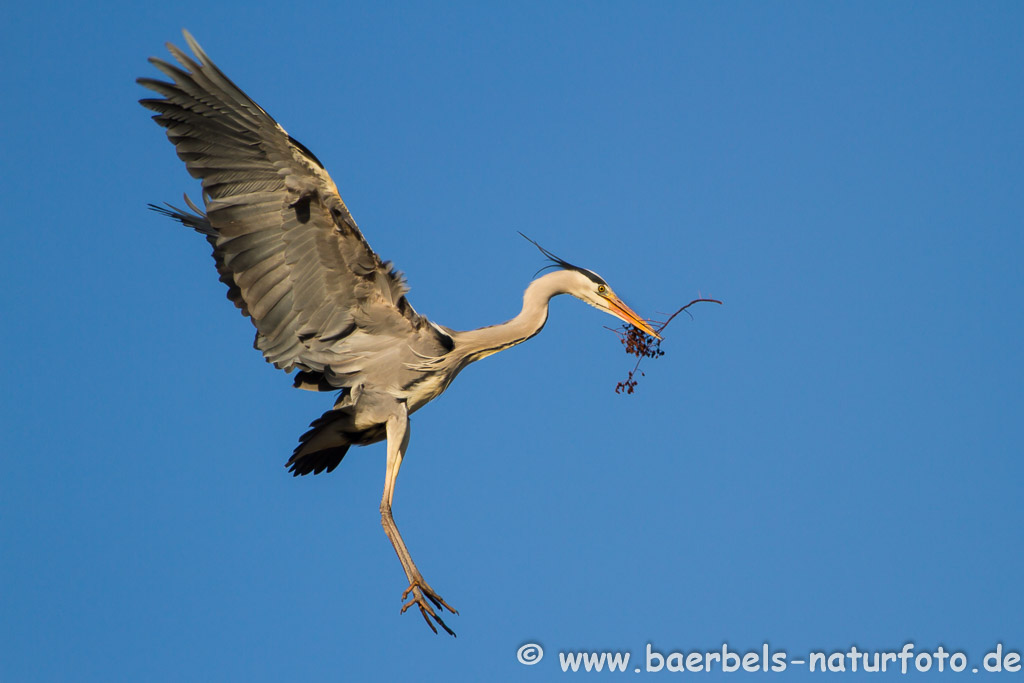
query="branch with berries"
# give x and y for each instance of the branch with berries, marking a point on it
(642, 345)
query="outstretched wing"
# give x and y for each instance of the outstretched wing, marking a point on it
(284, 241)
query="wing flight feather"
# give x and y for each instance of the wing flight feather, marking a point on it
(285, 243)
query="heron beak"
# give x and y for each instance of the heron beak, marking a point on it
(619, 309)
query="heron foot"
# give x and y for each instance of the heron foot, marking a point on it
(421, 592)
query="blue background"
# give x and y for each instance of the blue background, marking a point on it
(831, 458)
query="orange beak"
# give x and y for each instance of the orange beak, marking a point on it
(619, 309)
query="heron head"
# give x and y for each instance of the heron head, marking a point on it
(591, 288)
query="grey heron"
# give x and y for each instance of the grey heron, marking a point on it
(322, 301)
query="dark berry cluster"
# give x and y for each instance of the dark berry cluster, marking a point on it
(642, 345)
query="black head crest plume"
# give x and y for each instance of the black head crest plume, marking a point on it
(557, 262)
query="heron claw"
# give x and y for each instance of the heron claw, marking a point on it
(419, 590)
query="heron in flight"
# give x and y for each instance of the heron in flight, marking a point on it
(323, 303)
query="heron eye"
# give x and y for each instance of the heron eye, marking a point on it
(601, 289)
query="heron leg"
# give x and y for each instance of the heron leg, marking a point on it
(398, 441)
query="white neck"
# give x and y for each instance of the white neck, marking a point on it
(483, 342)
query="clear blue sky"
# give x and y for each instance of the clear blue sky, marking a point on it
(833, 458)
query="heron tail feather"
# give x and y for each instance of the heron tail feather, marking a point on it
(322, 447)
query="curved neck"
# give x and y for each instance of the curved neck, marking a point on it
(484, 341)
